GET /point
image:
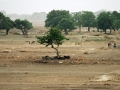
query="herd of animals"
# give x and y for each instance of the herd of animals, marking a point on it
(114, 45)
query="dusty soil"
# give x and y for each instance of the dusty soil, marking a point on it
(92, 65)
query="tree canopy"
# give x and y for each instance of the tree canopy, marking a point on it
(66, 25)
(55, 16)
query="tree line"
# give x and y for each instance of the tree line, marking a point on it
(6, 24)
(66, 21)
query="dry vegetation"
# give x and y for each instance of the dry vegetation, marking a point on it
(92, 66)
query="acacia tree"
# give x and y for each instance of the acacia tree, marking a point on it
(66, 25)
(88, 19)
(52, 37)
(23, 25)
(5, 23)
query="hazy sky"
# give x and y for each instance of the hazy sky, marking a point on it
(30, 6)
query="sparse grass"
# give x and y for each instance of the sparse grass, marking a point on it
(16, 33)
(107, 37)
(96, 39)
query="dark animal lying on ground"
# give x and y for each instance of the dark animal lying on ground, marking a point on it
(56, 58)
(28, 42)
(109, 45)
(32, 42)
(114, 45)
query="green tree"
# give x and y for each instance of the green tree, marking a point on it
(77, 19)
(88, 19)
(5, 23)
(66, 25)
(116, 14)
(116, 17)
(105, 21)
(52, 37)
(23, 25)
(55, 16)
(116, 24)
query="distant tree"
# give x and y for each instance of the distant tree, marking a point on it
(88, 19)
(77, 19)
(66, 25)
(116, 22)
(5, 23)
(105, 21)
(2, 17)
(38, 16)
(55, 16)
(23, 25)
(52, 37)
(4, 12)
(116, 15)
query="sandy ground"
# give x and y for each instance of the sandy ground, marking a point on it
(22, 76)
(92, 66)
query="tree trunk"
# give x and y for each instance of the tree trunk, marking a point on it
(114, 29)
(80, 29)
(57, 52)
(66, 32)
(23, 31)
(110, 30)
(26, 31)
(104, 30)
(7, 32)
(88, 28)
(98, 29)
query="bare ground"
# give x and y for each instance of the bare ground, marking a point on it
(92, 66)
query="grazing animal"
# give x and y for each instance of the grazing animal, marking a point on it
(109, 45)
(28, 42)
(114, 45)
(84, 36)
(33, 42)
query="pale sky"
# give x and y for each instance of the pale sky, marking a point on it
(30, 6)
